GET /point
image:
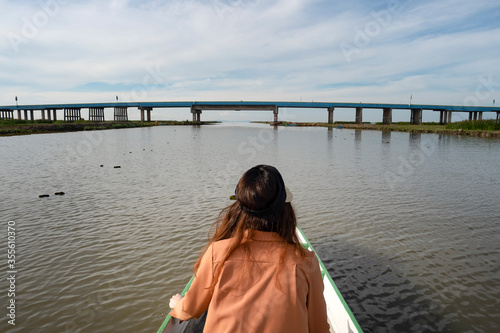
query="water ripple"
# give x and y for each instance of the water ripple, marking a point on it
(415, 253)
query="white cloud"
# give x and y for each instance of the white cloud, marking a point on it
(248, 50)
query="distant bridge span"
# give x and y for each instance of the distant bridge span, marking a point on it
(96, 110)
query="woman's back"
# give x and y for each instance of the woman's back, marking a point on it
(255, 276)
(250, 296)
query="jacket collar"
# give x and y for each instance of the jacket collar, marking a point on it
(263, 236)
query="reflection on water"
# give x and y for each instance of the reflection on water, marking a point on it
(407, 224)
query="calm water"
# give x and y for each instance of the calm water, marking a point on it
(407, 224)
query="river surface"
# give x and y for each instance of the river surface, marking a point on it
(408, 225)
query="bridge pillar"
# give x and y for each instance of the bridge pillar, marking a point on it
(32, 114)
(359, 115)
(330, 115)
(148, 113)
(7, 114)
(416, 116)
(54, 114)
(18, 114)
(48, 115)
(196, 114)
(72, 114)
(444, 115)
(475, 115)
(96, 114)
(480, 115)
(449, 116)
(387, 116)
(43, 114)
(275, 112)
(470, 116)
(498, 116)
(25, 114)
(120, 113)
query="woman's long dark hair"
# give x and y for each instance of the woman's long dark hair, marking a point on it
(261, 206)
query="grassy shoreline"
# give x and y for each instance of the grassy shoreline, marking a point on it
(485, 128)
(23, 127)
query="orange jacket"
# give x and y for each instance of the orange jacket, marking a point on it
(252, 300)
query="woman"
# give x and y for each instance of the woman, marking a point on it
(254, 275)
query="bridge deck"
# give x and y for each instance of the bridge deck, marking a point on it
(255, 105)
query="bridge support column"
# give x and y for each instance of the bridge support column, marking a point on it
(498, 117)
(445, 115)
(25, 114)
(72, 114)
(18, 114)
(7, 114)
(475, 115)
(54, 114)
(470, 116)
(120, 113)
(148, 114)
(449, 116)
(275, 112)
(43, 114)
(359, 115)
(96, 114)
(416, 116)
(387, 116)
(196, 114)
(32, 115)
(330, 115)
(480, 115)
(48, 115)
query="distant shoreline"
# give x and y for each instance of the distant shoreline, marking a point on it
(397, 127)
(14, 127)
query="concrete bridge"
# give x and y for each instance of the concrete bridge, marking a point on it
(72, 112)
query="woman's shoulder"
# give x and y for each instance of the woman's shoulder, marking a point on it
(310, 261)
(220, 247)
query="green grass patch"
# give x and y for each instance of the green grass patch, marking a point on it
(11, 122)
(475, 125)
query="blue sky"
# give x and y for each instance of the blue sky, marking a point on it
(438, 52)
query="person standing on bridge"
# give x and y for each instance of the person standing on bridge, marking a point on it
(254, 275)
